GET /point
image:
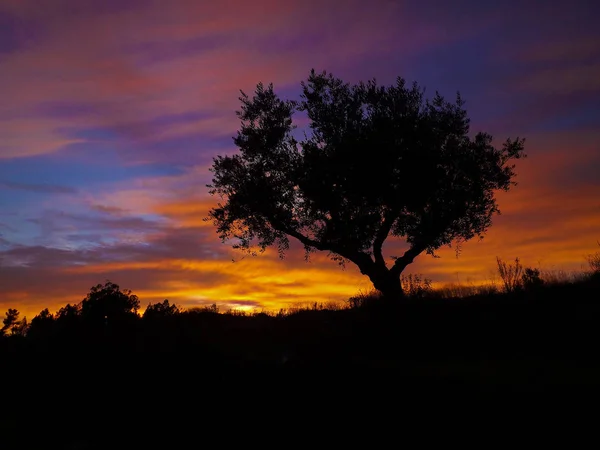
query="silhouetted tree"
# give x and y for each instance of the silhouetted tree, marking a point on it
(44, 314)
(12, 315)
(377, 161)
(41, 324)
(69, 311)
(159, 310)
(12, 325)
(106, 303)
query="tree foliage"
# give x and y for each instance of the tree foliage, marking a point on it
(41, 324)
(375, 162)
(160, 310)
(107, 302)
(12, 325)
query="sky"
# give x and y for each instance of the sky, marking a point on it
(111, 112)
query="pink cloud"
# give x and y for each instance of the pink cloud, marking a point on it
(98, 60)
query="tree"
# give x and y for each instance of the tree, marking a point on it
(41, 325)
(159, 310)
(12, 324)
(69, 312)
(106, 303)
(44, 315)
(375, 162)
(12, 317)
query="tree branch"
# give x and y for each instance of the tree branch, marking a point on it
(406, 259)
(362, 260)
(303, 239)
(382, 234)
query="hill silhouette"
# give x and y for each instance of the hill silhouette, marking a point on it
(109, 376)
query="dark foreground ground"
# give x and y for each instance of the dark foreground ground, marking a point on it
(186, 376)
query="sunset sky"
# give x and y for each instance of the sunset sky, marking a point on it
(111, 112)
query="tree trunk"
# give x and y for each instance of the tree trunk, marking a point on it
(388, 283)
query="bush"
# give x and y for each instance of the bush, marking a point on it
(594, 262)
(510, 274)
(531, 279)
(362, 298)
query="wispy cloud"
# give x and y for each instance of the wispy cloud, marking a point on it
(38, 188)
(112, 210)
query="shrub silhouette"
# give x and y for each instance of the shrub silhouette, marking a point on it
(511, 274)
(378, 162)
(594, 262)
(531, 279)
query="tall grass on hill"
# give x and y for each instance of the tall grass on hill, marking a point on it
(457, 290)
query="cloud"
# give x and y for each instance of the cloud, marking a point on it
(66, 229)
(3, 226)
(160, 62)
(112, 210)
(563, 80)
(560, 49)
(39, 188)
(184, 265)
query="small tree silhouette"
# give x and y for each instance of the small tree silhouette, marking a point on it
(12, 325)
(378, 162)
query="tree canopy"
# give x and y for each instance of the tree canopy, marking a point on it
(376, 161)
(106, 302)
(12, 325)
(161, 310)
